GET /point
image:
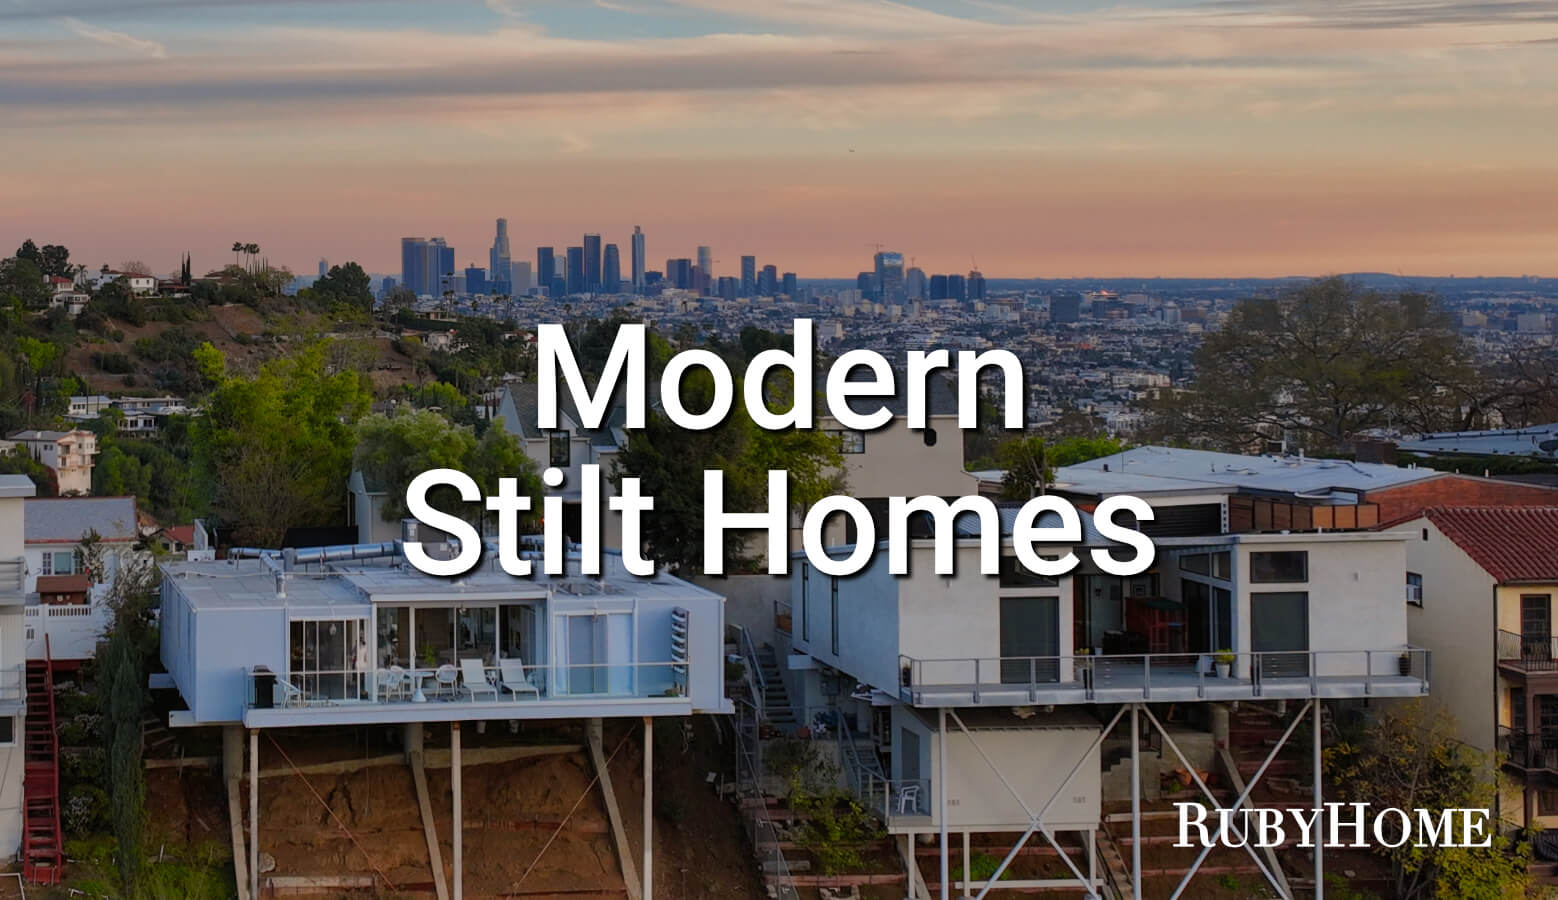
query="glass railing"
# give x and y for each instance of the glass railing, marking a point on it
(473, 682)
(1125, 676)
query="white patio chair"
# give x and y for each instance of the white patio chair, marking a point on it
(291, 694)
(908, 798)
(394, 683)
(512, 678)
(476, 679)
(447, 677)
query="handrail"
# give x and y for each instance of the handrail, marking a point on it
(1141, 673)
(1534, 652)
(757, 683)
(762, 831)
(361, 686)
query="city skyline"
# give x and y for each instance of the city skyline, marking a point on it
(1238, 138)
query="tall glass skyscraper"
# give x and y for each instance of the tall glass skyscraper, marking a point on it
(498, 261)
(591, 262)
(706, 260)
(413, 255)
(889, 276)
(576, 283)
(424, 264)
(546, 267)
(638, 258)
(611, 270)
(748, 275)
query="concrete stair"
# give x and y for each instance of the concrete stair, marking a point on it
(776, 699)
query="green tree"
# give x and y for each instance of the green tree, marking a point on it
(347, 284)
(17, 461)
(274, 451)
(22, 281)
(1410, 759)
(1029, 470)
(393, 449)
(1323, 362)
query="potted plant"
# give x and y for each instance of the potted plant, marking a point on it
(1222, 660)
(1404, 663)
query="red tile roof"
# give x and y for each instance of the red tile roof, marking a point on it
(1515, 544)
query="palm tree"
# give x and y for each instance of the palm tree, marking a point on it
(237, 249)
(252, 249)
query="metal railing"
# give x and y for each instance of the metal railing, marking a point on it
(1531, 652)
(1528, 751)
(449, 683)
(757, 683)
(761, 830)
(903, 797)
(1141, 673)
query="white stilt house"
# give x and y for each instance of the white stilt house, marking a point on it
(354, 635)
(987, 699)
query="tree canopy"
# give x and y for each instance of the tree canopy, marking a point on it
(1409, 759)
(274, 452)
(1323, 363)
(393, 449)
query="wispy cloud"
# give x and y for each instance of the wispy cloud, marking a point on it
(117, 39)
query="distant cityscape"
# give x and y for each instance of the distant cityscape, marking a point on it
(428, 269)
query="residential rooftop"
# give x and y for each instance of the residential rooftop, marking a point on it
(1169, 470)
(1539, 441)
(66, 519)
(1514, 544)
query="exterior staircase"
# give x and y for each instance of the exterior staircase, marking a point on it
(776, 699)
(43, 848)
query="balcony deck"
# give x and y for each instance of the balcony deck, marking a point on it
(1528, 656)
(1163, 678)
(642, 689)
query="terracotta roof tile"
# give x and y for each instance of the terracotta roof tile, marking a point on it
(1513, 543)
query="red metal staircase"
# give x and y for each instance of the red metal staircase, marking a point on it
(43, 849)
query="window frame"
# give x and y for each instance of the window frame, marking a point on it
(1418, 583)
(1256, 576)
(852, 442)
(552, 438)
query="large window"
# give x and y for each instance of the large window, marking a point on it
(7, 730)
(1030, 639)
(330, 658)
(561, 446)
(1279, 566)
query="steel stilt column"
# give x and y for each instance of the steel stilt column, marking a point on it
(649, 808)
(941, 800)
(1135, 803)
(1319, 811)
(254, 813)
(458, 824)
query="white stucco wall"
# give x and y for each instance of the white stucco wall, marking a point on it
(1457, 623)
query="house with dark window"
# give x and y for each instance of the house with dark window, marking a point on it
(1481, 582)
(943, 689)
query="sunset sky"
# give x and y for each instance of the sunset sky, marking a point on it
(1032, 139)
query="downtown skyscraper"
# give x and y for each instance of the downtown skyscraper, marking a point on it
(546, 267)
(592, 254)
(638, 259)
(424, 264)
(611, 270)
(498, 260)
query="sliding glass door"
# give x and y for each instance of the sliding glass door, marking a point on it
(329, 658)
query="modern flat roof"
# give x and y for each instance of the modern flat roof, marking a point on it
(351, 587)
(1170, 470)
